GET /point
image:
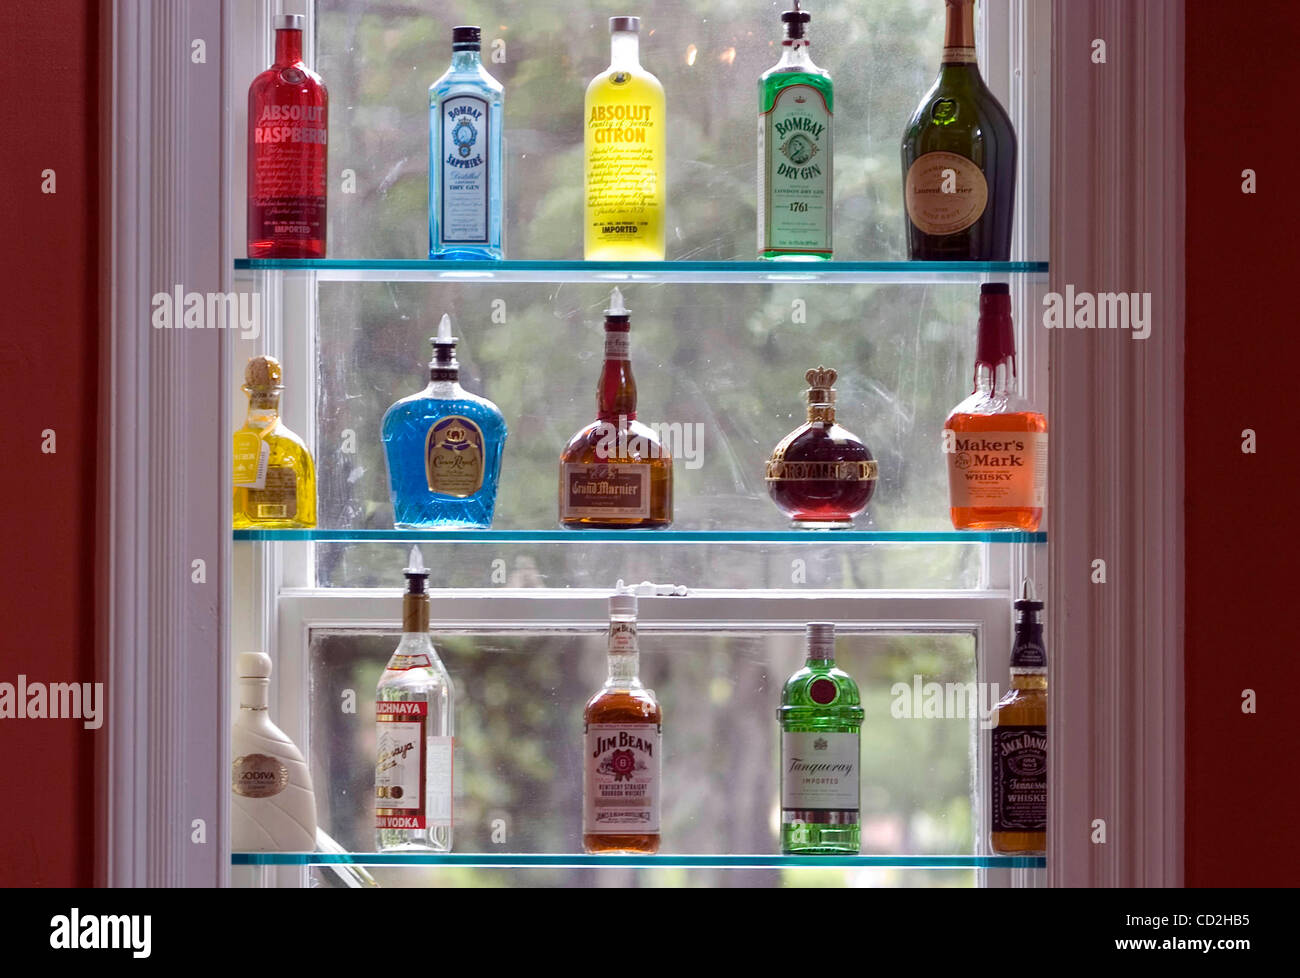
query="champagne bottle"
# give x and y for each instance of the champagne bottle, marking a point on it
(959, 159)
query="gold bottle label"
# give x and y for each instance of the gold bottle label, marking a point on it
(453, 457)
(945, 193)
(278, 497)
(258, 776)
(779, 470)
(604, 490)
(251, 455)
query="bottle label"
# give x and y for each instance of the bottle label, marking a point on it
(288, 171)
(464, 191)
(251, 457)
(622, 637)
(795, 154)
(959, 55)
(617, 344)
(453, 457)
(413, 774)
(945, 193)
(621, 787)
(819, 770)
(604, 490)
(624, 143)
(998, 469)
(1019, 769)
(258, 776)
(780, 470)
(278, 497)
(402, 662)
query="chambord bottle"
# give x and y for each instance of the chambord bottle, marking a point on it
(821, 720)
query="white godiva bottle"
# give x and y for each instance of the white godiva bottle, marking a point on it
(273, 807)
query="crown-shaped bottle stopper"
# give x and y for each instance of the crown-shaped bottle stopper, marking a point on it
(821, 386)
(263, 374)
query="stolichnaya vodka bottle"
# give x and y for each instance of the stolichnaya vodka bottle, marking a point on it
(796, 101)
(466, 107)
(443, 447)
(273, 807)
(414, 706)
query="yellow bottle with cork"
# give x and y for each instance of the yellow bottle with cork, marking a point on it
(625, 146)
(274, 478)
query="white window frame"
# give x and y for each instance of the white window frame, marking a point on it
(283, 626)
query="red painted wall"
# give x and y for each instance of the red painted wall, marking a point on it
(49, 336)
(1243, 371)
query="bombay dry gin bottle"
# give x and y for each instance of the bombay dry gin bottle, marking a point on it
(622, 747)
(996, 445)
(465, 122)
(821, 475)
(414, 706)
(959, 158)
(273, 807)
(1018, 765)
(443, 446)
(624, 150)
(795, 103)
(616, 473)
(275, 479)
(288, 126)
(821, 722)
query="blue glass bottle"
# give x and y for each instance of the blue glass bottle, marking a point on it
(443, 447)
(465, 193)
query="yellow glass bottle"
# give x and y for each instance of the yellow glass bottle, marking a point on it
(625, 146)
(274, 478)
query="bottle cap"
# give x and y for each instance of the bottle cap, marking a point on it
(622, 602)
(1028, 600)
(289, 22)
(263, 374)
(416, 573)
(997, 338)
(617, 310)
(465, 38)
(253, 665)
(443, 366)
(632, 24)
(821, 639)
(821, 385)
(794, 21)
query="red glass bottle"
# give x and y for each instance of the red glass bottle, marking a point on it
(995, 443)
(821, 475)
(288, 125)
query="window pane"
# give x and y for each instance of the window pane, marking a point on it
(727, 362)
(518, 749)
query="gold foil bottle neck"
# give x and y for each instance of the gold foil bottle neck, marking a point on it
(263, 374)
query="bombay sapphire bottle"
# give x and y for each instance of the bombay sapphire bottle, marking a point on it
(443, 447)
(465, 109)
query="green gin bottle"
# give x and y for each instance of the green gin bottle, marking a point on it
(821, 719)
(795, 103)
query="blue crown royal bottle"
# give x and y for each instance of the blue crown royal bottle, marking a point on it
(465, 193)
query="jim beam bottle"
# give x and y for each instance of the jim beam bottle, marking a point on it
(414, 706)
(623, 731)
(1019, 762)
(821, 723)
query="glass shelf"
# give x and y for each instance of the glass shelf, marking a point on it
(645, 536)
(753, 272)
(658, 861)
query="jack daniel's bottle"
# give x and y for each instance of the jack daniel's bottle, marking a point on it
(1019, 763)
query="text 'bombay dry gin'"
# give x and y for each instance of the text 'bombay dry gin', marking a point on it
(288, 129)
(821, 722)
(995, 443)
(414, 706)
(466, 108)
(623, 746)
(443, 447)
(1018, 765)
(795, 150)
